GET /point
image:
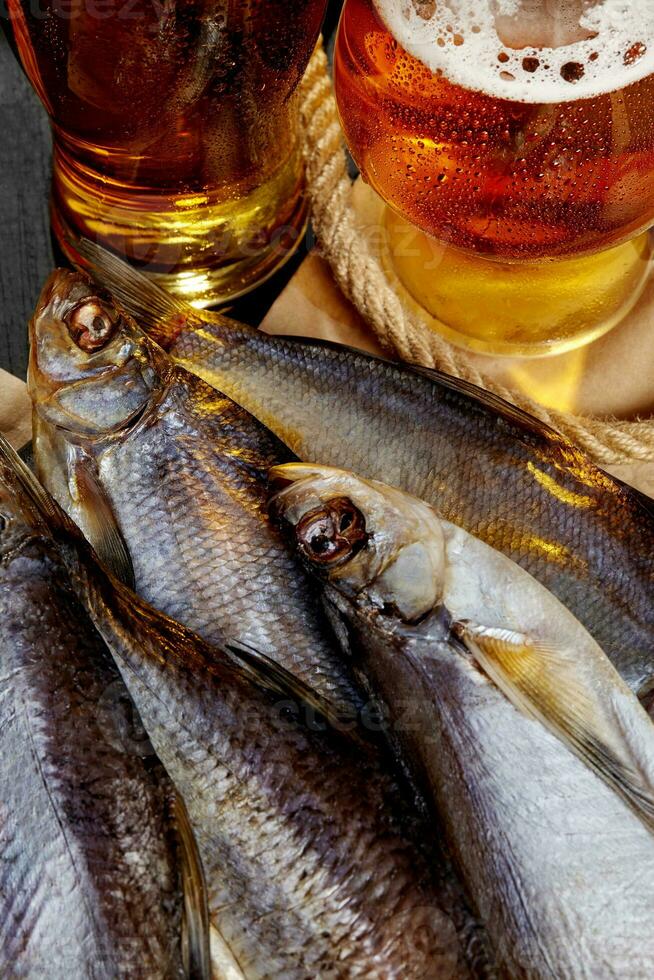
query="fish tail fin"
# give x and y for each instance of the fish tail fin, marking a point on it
(160, 314)
(544, 683)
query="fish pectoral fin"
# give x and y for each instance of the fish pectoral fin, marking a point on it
(100, 524)
(542, 682)
(44, 504)
(271, 676)
(196, 946)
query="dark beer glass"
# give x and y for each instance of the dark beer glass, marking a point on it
(175, 125)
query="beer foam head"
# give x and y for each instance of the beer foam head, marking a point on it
(528, 50)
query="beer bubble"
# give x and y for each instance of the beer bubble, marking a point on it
(555, 51)
(572, 71)
(522, 177)
(635, 52)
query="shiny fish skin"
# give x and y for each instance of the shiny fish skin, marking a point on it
(88, 878)
(516, 486)
(310, 852)
(245, 566)
(184, 470)
(560, 870)
(565, 889)
(311, 870)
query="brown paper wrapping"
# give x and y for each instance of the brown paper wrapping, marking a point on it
(15, 410)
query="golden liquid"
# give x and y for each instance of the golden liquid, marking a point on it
(199, 246)
(511, 222)
(517, 309)
(176, 140)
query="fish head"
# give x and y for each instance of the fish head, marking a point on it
(92, 370)
(377, 548)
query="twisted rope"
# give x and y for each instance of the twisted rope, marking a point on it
(362, 279)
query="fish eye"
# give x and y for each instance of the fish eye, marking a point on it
(92, 324)
(3, 523)
(332, 534)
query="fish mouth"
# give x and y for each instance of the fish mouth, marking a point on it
(283, 476)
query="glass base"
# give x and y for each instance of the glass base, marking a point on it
(205, 250)
(514, 309)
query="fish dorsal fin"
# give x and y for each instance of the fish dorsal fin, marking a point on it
(101, 527)
(196, 936)
(498, 405)
(143, 298)
(160, 314)
(266, 673)
(544, 684)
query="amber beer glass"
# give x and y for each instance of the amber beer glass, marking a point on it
(513, 141)
(175, 127)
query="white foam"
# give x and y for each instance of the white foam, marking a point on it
(460, 39)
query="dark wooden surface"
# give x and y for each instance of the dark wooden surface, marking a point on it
(26, 253)
(25, 250)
